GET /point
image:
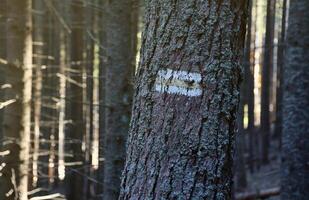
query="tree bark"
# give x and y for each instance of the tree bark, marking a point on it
(187, 92)
(118, 92)
(17, 118)
(266, 79)
(295, 140)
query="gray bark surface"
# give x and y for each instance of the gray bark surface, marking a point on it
(180, 147)
(295, 140)
(118, 91)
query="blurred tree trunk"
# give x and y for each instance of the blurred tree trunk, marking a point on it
(118, 91)
(266, 79)
(240, 165)
(89, 51)
(295, 140)
(249, 86)
(187, 89)
(102, 83)
(62, 55)
(17, 120)
(280, 58)
(37, 93)
(77, 130)
(62, 104)
(3, 18)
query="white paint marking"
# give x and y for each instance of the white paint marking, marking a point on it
(179, 82)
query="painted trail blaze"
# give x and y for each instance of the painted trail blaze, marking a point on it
(179, 82)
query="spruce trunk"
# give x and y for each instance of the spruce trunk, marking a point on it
(187, 91)
(17, 120)
(118, 92)
(295, 140)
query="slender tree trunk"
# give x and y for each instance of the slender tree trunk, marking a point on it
(187, 89)
(266, 79)
(280, 58)
(295, 140)
(62, 75)
(240, 165)
(78, 129)
(118, 92)
(89, 43)
(2, 55)
(249, 85)
(102, 84)
(38, 61)
(62, 95)
(17, 118)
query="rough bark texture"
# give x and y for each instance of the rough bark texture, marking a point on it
(266, 78)
(295, 148)
(118, 92)
(180, 146)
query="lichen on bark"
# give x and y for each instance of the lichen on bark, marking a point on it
(180, 147)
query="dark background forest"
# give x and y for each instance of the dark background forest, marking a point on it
(78, 120)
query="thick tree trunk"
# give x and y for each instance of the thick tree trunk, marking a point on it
(187, 88)
(266, 79)
(118, 92)
(295, 140)
(17, 119)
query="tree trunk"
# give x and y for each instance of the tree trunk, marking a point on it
(2, 55)
(240, 166)
(17, 118)
(63, 65)
(118, 92)
(102, 84)
(266, 79)
(280, 58)
(249, 85)
(187, 88)
(295, 140)
(37, 93)
(77, 130)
